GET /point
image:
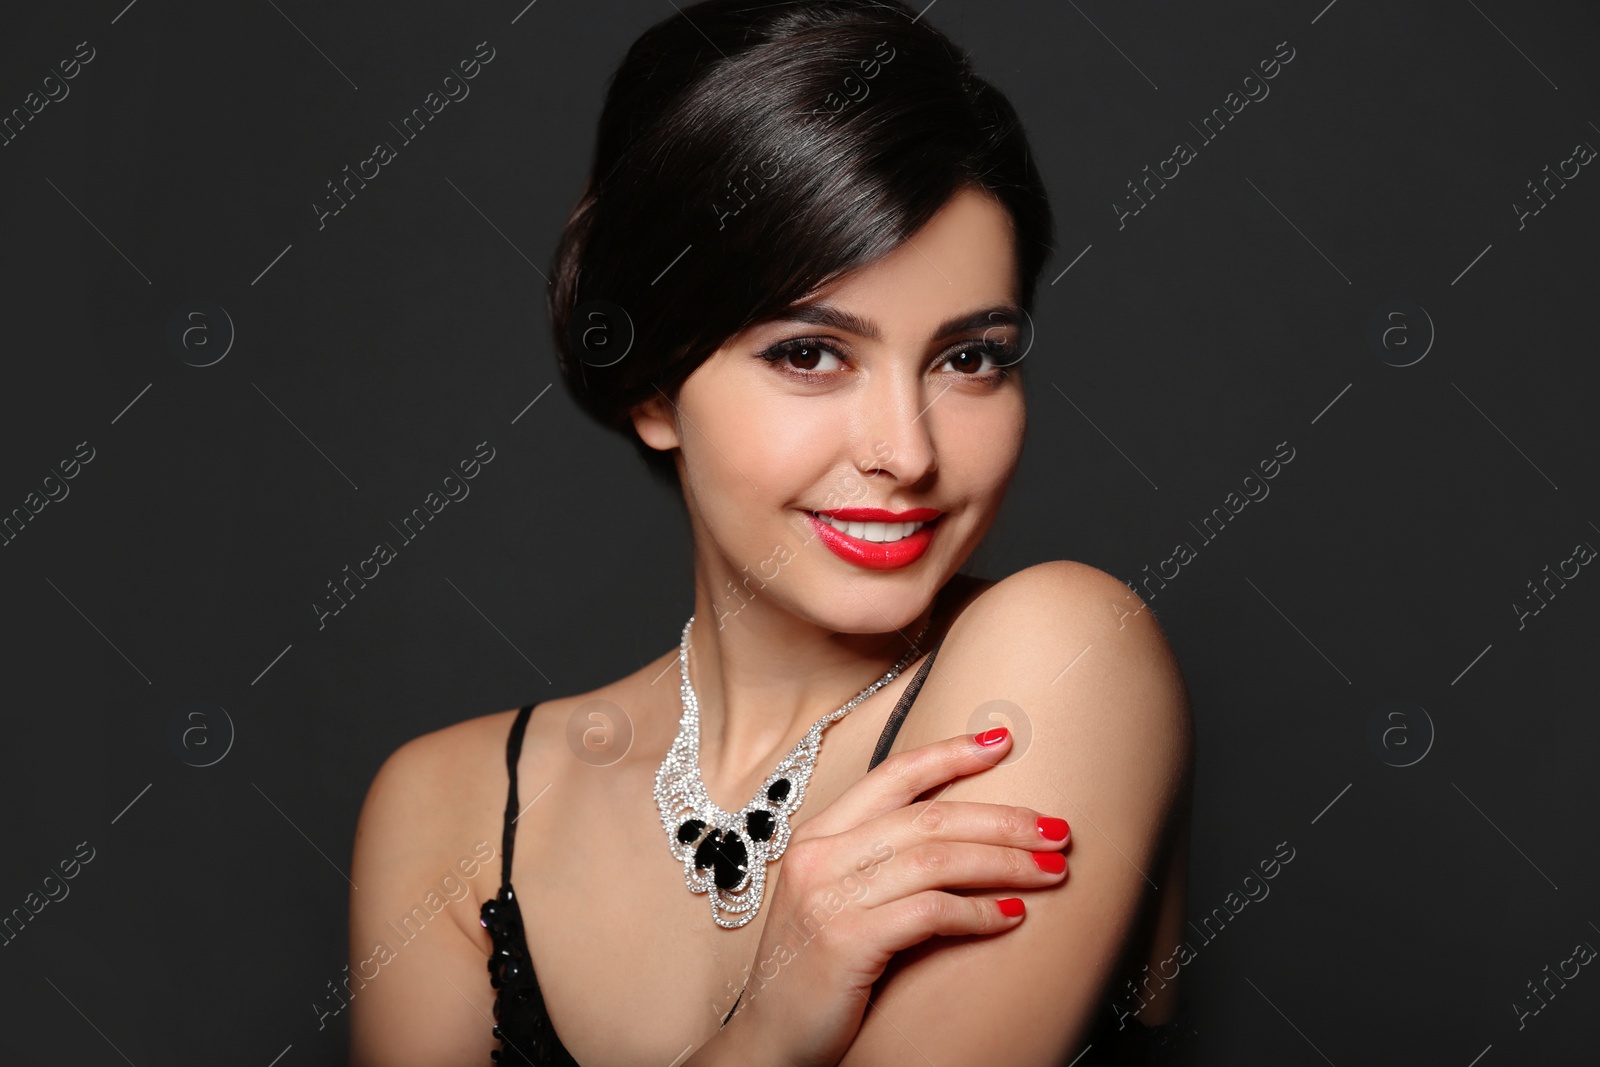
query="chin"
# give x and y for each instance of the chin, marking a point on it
(873, 606)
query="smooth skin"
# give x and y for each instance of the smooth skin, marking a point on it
(632, 968)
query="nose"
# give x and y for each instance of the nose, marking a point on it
(896, 422)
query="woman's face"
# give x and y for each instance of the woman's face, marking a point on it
(889, 392)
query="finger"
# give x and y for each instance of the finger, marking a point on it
(904, 776)
(945, 864)
(974, 820)
(912, 920)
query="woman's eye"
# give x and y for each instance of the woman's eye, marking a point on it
(813, 360)
(803, 356)
(970, 360)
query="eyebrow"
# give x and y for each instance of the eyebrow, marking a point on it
(821, 314)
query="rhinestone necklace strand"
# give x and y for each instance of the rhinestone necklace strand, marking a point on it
(721, 862)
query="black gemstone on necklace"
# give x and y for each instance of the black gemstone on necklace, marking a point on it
(730, 861)
(777, 791)
(760, 825)
(690, 830)
(725, 853)
(706, 854)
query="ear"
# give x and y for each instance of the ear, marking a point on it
(655, 423)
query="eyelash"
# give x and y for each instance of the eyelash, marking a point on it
(994, 350)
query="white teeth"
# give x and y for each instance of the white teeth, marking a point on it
(880, 532)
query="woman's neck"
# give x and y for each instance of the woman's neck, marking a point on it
(763, 677)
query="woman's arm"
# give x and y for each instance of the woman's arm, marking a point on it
(418, 954)
(1110, 749)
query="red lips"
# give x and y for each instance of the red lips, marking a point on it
(876, 555)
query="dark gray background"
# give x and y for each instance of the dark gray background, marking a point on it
(1232, 314)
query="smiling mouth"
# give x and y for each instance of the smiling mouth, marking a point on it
(874, 544)
(884, 533)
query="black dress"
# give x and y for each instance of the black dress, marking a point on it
(524, 1029)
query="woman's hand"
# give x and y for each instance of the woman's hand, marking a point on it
(816, 963)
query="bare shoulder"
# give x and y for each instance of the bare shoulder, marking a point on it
(450, 783)
(1075, 663)
(1069, 632)
(1060, 593)
(430, 777)
(1078, 660)
(433, 798)
(427, 853)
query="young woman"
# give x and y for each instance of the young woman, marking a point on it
(799, 279)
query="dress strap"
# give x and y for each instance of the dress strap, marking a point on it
(508, 836)
(892, 728)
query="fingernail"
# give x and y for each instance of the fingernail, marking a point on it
(1054, 829)
(1050, 862)
(1010, 907)
(991, 737)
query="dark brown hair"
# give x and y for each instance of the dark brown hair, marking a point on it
(749, 153)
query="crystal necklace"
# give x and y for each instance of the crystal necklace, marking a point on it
(712, 842)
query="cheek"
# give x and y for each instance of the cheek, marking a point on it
(986, 443)
(781, 443)
(781, 437)
(752, 453)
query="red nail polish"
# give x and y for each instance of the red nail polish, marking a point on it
(1010, 907)
(1054, 829)
(991, 737)
(1050, 862)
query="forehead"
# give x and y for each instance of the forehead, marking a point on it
(964, 257)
